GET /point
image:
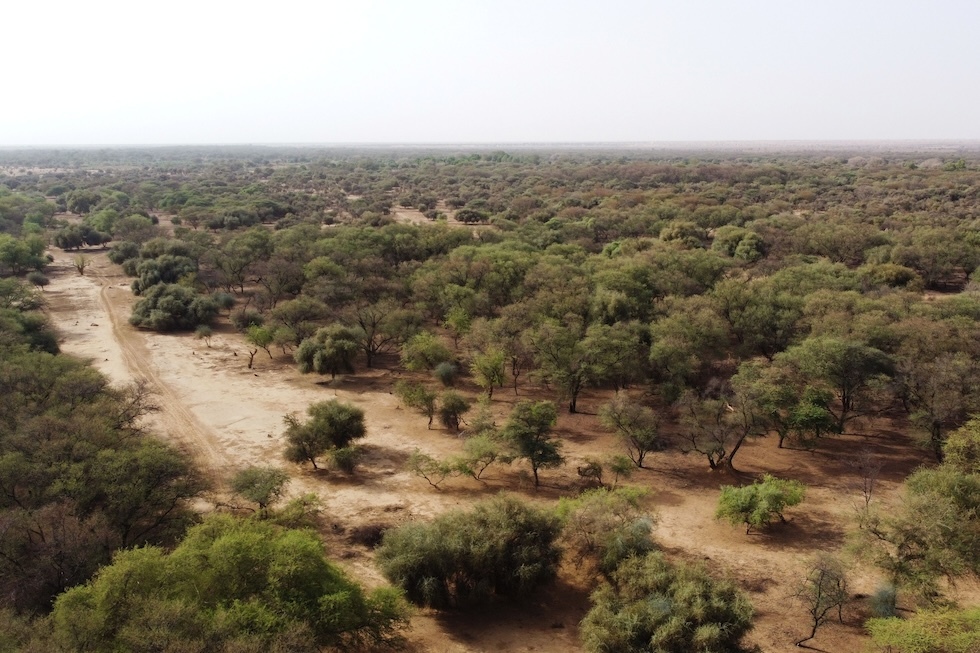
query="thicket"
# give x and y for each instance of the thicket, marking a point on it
(502, 548)
(230, 584)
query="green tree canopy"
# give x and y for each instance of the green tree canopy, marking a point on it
(502, 548)
(652, 606)
(230, 582)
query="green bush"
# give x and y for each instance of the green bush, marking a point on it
(884, 600)
(502, 548)
(606, 527)
(941, 631)
(653, 606)
(447, 373)
(452, 407)
(332, 427)
(171, 307)
(424, 351)
(757, 505)
(230, 585)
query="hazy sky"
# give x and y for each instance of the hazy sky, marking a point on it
(423, 71)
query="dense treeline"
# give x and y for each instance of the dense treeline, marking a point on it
(79, 476)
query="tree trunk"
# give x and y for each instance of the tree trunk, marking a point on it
(813, 633)
(936, 440)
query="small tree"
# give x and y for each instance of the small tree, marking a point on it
(758, 504)
(488, 370)
(479, 452)
(452, 407)
(527, 431)
(38, 279)
(81, 262)
(823, 592)
(204, 332)
(261, 485)
(424, 351)
(259, 337)
(425, 466)
(637, 426)
(332, 426)
(417, 397)
(447, 373)
(330, 350)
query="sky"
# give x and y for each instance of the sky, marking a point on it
(100, 72)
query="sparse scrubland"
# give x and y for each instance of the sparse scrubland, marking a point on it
(513, 397)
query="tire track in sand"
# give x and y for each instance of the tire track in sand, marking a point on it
(174, 417)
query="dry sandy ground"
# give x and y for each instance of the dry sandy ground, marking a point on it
(229, 417)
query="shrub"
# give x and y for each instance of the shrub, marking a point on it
(332, 426)
(345, 458)
(447, 373)
(38, 279)
(244, 319)
(757, 505)
(170, 307)
(242, 585)
(884, 601)
(606, 527)
(452, 406)
(940, 631)
(502, 548)
(124, 251)
(652, 605)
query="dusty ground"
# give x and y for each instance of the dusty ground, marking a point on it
(228, 417)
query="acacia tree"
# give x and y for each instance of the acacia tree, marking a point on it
(417, 397)
(330, 350)
(262, 485)
(382, 327)
(823, 592)
(850, 370)
(527, 431)
(942, 392)
(488, 370)
(758, 504)
(562, 358)
(717, 428)
(637, 426)
(332, 426)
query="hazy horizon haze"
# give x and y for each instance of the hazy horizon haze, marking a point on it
(111, 73)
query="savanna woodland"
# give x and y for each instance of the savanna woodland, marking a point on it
(299, 399)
